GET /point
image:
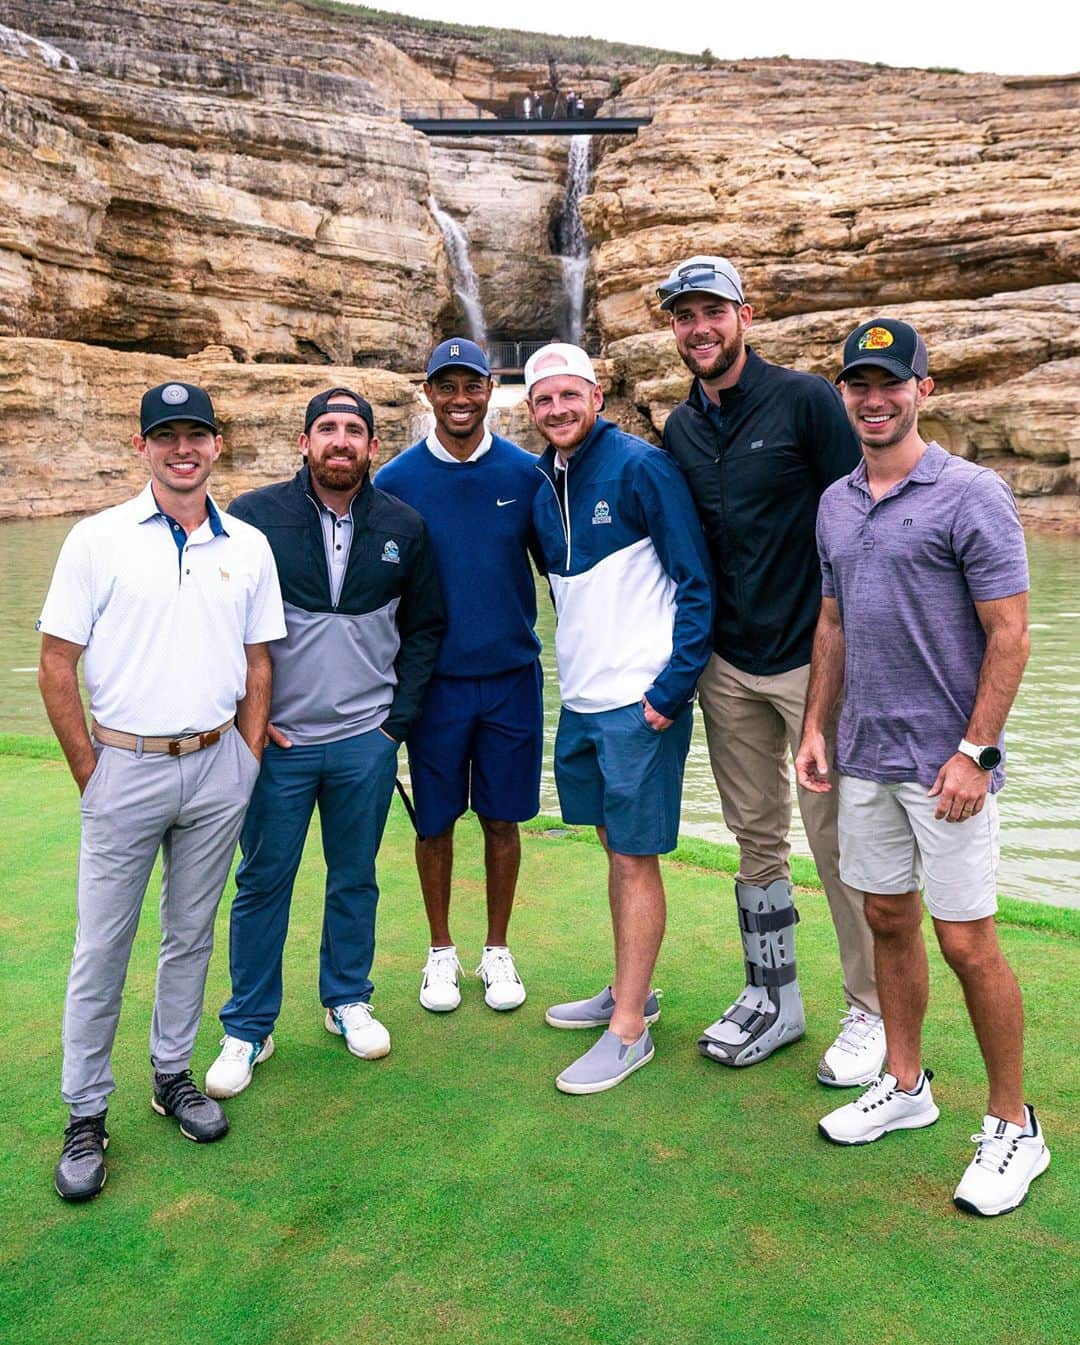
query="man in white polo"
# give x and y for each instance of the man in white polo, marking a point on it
(172, 603)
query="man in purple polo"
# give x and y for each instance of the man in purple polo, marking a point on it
(924, 625)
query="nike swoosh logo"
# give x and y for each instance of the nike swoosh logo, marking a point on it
(500, 503)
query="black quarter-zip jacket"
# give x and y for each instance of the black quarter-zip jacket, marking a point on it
(756, 466)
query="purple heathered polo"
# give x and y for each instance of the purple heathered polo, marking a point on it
(906, 572)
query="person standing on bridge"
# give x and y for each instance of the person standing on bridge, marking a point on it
(479, 739)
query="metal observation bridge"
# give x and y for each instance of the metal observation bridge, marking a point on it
(615, 116)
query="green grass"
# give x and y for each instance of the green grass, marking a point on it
(448, 1193)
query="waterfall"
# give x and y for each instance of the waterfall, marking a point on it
(16, 43)
(466, 284)
(571, 233)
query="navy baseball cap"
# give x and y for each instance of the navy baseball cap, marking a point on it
(175, 401)
(887, 344)
(325, 401)
(458, 353)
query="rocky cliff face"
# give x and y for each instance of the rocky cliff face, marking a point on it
(842, 191)
(235, 174)
(70, 411)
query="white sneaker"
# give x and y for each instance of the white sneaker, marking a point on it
(857, 1056)
(231, 1071)
(1007, 1161)
(364, 1035)
(502, 984)
(439, 989)
(883, 1107)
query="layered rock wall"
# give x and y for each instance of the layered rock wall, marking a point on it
(842, 191)
(70, 411)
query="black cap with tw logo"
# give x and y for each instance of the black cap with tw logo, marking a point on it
(887, 344)
(175, 401)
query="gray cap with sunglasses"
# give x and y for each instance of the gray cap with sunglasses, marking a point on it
(702, 275)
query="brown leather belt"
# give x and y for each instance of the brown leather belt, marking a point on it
(175, 747)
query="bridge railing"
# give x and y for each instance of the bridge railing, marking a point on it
(506, 355)
(549, 110)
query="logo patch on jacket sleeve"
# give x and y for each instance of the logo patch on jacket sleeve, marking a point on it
(602, 512)
(390, 553)
(877, 338)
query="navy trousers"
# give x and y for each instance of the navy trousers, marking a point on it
(351, 782)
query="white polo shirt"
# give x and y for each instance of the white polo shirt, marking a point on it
(164, 619)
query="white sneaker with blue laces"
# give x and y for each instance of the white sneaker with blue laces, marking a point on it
(364, 1035)
(231, 1071)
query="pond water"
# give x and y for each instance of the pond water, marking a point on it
(1040, 806)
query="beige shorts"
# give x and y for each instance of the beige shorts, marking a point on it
(891, 842)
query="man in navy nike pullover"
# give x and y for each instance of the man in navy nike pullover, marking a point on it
(478, 741)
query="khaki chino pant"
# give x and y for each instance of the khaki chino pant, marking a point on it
(752, 723)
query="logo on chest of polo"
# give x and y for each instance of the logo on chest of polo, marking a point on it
(602, 512)
(390, 553)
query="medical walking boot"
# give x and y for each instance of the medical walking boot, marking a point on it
(769, 1012)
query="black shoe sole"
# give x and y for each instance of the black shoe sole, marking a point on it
(196, 1139)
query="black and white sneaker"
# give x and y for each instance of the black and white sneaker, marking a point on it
(883, 1107)
(1007, 1161)
(201, 1118)
(80, 1173)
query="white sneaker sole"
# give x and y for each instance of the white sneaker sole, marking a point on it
(970, 1208)
(438, 1008)
(863, 1081)
(334, 1030)
(917, 1122)
(604, 1084)
(574, 1024)
(506, 1008)
(219, 1093)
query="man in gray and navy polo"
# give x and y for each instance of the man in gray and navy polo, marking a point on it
(173, 603)
(924, 625)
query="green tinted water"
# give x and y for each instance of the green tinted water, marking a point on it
(1040, 807)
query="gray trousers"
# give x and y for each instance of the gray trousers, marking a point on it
(190, 808)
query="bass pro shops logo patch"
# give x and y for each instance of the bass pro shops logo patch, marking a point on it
(390, 553)
(877, 338)
(602, 512)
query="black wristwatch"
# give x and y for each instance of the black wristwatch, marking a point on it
(986, 758)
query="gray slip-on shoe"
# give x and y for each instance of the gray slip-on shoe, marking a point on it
(607, 1063)
(596, 1012)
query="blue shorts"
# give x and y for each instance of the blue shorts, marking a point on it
(479, 742)
(612, 770)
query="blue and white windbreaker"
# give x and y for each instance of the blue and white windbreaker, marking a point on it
(629, 574)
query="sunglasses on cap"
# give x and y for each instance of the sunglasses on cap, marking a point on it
(699, 276)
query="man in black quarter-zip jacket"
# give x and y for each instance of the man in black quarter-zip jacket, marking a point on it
(364, 616)
(758, 444)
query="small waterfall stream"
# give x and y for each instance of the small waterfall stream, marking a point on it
(466, 284)
(574, 249)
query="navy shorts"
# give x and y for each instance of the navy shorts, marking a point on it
(478, 743)
(612, 770)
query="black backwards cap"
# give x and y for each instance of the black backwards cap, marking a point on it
(887, 344)
(324, 401)
(175, 401)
